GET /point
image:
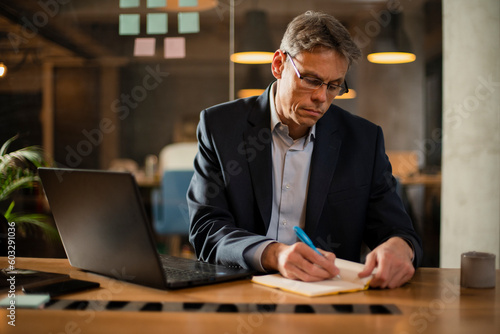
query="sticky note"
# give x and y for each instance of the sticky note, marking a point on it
(156, 3)
(175, 47)
(129, 3)
(188, 3)
(129, 24)
(189, 22)
(157, 23)
(144, 47)
(25, 301)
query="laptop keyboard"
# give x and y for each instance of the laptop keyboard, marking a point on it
(184, 274)
(177, 274)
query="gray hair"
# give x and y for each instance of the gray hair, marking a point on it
(311, 30)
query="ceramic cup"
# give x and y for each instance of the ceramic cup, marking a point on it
(477, 270)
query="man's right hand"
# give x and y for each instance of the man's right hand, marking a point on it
(299, 262)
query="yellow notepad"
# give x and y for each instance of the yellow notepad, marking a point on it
(348, 281)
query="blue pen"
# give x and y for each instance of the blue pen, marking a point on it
(305, 239)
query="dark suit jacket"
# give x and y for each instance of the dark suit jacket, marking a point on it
(351, 196)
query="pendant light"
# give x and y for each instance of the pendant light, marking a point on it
(3, 70)
(189, 5)
(255, 45)
(351, 79)
(392, 45)
(254, 83)
(351, 94)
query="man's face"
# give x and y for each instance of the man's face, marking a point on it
(300, 107)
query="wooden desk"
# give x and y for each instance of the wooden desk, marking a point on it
(432, 302)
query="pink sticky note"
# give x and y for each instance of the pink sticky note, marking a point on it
(175, 47)
(144, 47)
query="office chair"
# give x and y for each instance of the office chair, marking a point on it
(170, 211)
(169, 204)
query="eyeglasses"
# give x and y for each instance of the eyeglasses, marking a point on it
(314, 83)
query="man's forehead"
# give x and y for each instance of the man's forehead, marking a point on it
(337, 59)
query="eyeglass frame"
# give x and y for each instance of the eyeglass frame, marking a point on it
(301, 77)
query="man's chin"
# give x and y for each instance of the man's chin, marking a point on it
(311, 119)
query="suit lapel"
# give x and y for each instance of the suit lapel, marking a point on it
(257, 141)
(324, 159)
(323, 162)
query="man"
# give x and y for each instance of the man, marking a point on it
(290, 158)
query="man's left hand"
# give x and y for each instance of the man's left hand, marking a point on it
(393, 260)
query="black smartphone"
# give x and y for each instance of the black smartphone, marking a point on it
(59, 287)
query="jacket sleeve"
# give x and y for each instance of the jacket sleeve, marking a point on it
(214, 233)
(386, 215)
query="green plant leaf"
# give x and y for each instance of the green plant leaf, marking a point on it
(6, 145)
(9, 209)
(26, 221)
(17, 171)
(32, 154)
(23, 182)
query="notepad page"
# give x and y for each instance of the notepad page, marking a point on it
(347, 282)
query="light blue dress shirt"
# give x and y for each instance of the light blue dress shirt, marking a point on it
(291, 164)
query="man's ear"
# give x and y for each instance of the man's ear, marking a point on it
(278, 63)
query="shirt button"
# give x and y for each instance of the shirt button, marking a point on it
(287, 186)
(284, 222)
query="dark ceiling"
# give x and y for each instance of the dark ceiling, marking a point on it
(88, 28)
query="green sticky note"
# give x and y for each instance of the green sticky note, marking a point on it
(188, 3)
(129, 24)
(157, 23)
(156, 3)
(129, 3)
(24, 301)
(189, 22)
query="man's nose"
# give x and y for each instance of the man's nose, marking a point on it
(320, 93)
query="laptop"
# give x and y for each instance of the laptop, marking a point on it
(104, 229)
